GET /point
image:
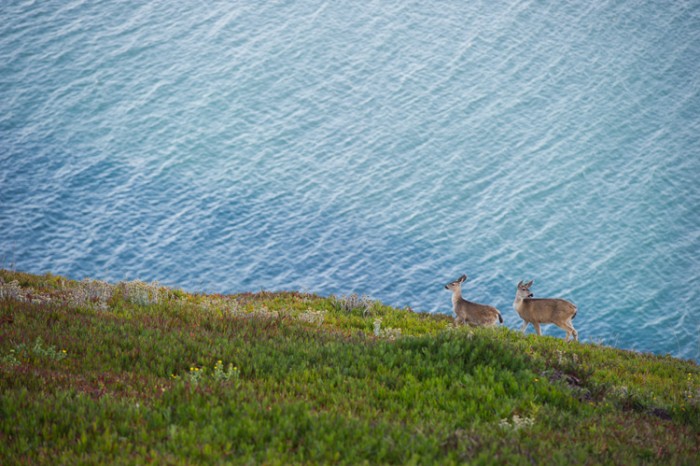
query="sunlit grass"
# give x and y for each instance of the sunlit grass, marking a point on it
(133, 372)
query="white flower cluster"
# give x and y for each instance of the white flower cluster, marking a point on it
(517, 423)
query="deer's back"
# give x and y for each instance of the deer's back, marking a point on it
(546, 310)
(475, 313)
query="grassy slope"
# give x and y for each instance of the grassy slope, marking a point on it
(132, 373)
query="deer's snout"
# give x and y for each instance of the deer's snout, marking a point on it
(530, 295)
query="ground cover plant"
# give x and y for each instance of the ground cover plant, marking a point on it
(131, 373)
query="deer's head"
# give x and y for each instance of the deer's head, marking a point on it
(457, 284)
(524, 290)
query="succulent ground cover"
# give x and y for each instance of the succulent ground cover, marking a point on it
(135, 372)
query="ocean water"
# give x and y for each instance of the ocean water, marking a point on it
(379, 148)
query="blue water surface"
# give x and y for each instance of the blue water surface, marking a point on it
(380, 147)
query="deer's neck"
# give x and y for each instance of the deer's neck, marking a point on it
(518, 302)
(456, 296)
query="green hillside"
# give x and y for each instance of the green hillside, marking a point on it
(134, 373)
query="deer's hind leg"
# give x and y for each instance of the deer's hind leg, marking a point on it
(573, 331)
(569, 329)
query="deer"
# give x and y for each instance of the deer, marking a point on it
(536, 311)
(471, 313)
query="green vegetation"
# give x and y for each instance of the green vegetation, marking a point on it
(135, 372)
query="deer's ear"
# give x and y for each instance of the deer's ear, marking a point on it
(520, 283)
(528, 285)
(462, 278)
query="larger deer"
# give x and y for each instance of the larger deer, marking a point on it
(538, 311)
(469, 312)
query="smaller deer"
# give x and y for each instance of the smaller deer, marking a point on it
(468, 312)
(544, 311)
